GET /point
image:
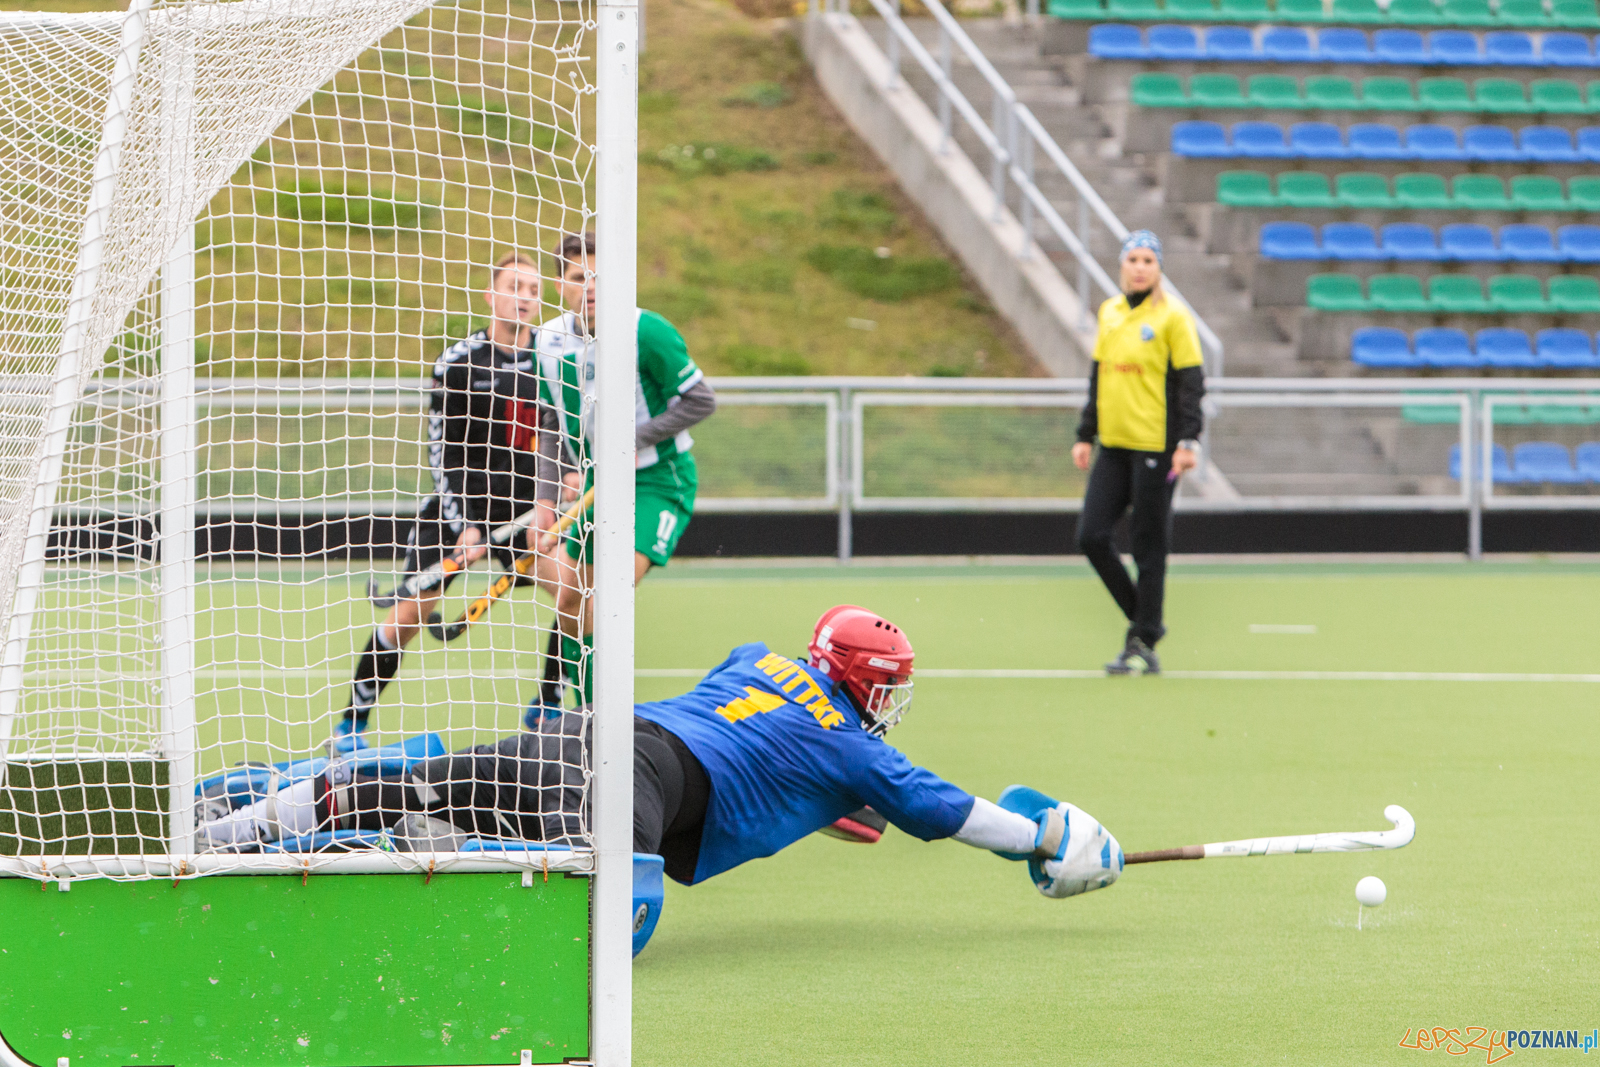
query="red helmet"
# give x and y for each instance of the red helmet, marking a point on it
(870, 658)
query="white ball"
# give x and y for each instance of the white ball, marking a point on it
(1371, 891)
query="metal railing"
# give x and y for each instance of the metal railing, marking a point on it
(1014, 139)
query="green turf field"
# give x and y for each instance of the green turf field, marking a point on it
(912, 953)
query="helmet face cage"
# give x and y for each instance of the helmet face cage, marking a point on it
(870, 658)
(886, 704)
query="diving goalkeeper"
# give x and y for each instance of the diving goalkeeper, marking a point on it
(764, 751)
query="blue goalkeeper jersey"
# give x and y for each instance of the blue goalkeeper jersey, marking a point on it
(786, 755)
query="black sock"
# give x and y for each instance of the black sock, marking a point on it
(550, 687)
(375, 669)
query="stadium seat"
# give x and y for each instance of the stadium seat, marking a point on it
(1479, 192)
(1467, 13)
(1300, 10)
(1427, 141)
(1349, 240)
(1574, 14)
(1193, 10)
(1565, 50)
(1343, 46)
(1335, 292)
(1363, 191)
(1489, 144)
(1216, 90)
(1286, 44)
(1246, 10)
(1415, 12)
(1273, 90)
(1259, 140)
(1396, 292)
(1516, 294)
(1134, 9)
(1584, 193)
(1076, 9)
(1525, 13)
(1580, 244)
(1469, 242)
(1230, 44)
(1399, 46)
(1442, 347)
(1384, 94)
(1536, 192)
(1443, 94)
(1556, 96)
(1500, 95)
(1456, 48)
(1501, 347)
(1116, 41)
(1499, 464)
(1382, 346)
(1421, 191)
(1508, 48)
(1589, 143)
(1172, 43)
(1456, 294)
(1409, 240)
(1524, 243)
(1370, 140)
(1304, 189)
(1547, 144)
(1245, 188)
(1587, 457)
(1358, 11)
(1289, 240)
(1315, 140)
(1157, 90)
(1332, 94)
(1575, 294)
(1537, 462)
(1566, 349)
(1201, 139)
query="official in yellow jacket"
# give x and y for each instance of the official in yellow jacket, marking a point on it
(1144, 412)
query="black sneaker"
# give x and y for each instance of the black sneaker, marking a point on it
(1136, 656)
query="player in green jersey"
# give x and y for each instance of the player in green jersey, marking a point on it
(670, 396)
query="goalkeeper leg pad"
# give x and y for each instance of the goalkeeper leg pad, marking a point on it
(1091, 858)
(649, 893)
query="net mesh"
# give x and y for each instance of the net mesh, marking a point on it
(302, 202)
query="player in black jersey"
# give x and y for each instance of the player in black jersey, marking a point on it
(489, 458)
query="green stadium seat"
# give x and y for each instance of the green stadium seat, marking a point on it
(1573, 14)
(1501, 96)
(1593, 96)
(1133, 9)
(1479, 192)
(1274, 90)
(1468, 13)
(1385, 94)
(1158, 90)
(1522, 13)
(1420, 191)
(1415, 13)
(1335, 292)
(1215, 90)
(1300, 10)
(1432, 414)
(1512, 415)
(1357, 11)
(1443, 94)
(1199, 10)
(1515, 293)
(1304, 189)
(1246, 10)
(1245, 188)
(1584, 193)
(1537, 192)
(1557, 95)
(1575, 294)
(1396, 292)
(1456, 293)
(1559, 414)
(1362, 190)
(1331, 93)
(1077, 9)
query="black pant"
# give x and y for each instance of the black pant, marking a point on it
(1121, 478)
(670, 794)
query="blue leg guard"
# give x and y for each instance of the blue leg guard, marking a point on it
(649, 893)
(538, 712)
(347, 735)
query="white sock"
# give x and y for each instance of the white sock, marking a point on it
(297, 814)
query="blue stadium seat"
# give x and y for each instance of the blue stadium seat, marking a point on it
(1543, 461)
(1382, 346)
(1454, 47)
(1349, 240)
(1500, 464)
(1588, 460)
(1399, 46)
(1469, 241)
(1508, 48)
(1548, 144)
(1289, 240)
(1565, 50)
(1286, 44)
(1116, 41)
(1259, 140)
(1580, 244)
(1199, 138)
(1566, 350)
(1172, 42)
(1230, 43)
(1409, 240)
(1433, 142)
(1500, 347)
(1317, 140)
(1589, 143)
(1343, 46)
(1490, 144)
(1441, 347)
(1525, 243)
(1373, 140)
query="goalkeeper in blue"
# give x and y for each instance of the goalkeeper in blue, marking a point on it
(764, 751)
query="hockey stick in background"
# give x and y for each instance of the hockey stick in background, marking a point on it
(502, 585)
(440, 572)
(1405, 828)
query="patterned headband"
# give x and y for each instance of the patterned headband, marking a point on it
(1140, 239)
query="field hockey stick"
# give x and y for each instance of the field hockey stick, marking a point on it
(440, 572)
(1405, 828)
(502, 585)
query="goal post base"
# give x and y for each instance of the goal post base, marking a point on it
(330, 970)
